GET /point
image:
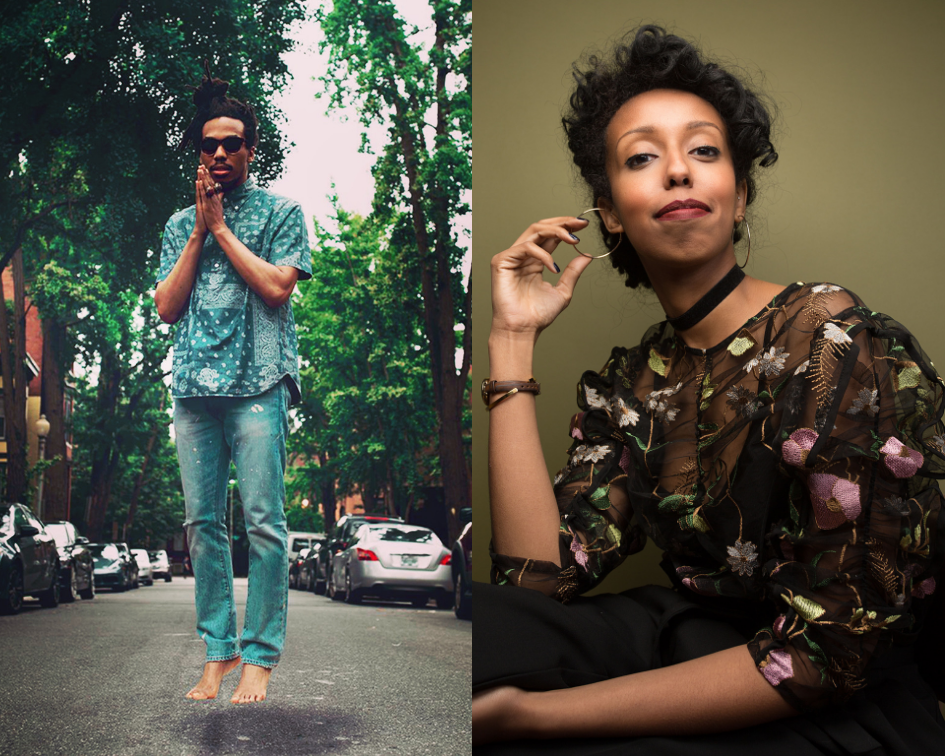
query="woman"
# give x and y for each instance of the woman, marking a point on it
(778, 443)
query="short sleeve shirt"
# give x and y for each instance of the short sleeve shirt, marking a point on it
(229, 342)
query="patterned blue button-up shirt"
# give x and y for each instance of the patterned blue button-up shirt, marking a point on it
(229, 342)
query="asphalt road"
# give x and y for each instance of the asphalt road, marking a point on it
(107, 677)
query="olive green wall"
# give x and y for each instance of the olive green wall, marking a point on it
(855, 198)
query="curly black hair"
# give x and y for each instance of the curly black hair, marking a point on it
(212, 102)
(654, 59)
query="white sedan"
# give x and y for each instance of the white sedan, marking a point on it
(144, 566)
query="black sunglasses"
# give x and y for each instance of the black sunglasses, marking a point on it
(231, 144)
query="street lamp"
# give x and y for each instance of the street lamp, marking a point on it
(42, 430)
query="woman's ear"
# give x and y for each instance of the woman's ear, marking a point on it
(741, 200)
(607, 212)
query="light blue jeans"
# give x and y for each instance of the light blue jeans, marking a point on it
(252, 431)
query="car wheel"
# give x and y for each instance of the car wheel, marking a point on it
(418, 602)
(351, 596)
(461, 602)
(72, 588)
(12, 599)
(310, 585)
(167, 578)
(89, 593)
(50, 597)
(320, 587)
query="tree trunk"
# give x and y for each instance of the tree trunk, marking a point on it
(142, 476)
(13, 359)
(56, 484)
(104, 461)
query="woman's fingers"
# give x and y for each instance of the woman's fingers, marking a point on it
(549, 232)
(570, 275)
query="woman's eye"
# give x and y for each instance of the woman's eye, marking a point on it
(707, 151)
(635, 161)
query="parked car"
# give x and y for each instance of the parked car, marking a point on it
(312, 567)
(114, 567)
(461, 565)
(144, 566)
(294, 567)
(160, 565)
(129, 557)
(393, 561)
(29, 560)
(76, 566)
(299, 540)
(341, 534)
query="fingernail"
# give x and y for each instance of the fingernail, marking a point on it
(557, 269)
(573, 237)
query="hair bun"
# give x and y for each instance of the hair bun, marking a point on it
(209, 88)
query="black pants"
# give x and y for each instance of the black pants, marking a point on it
(525, 639)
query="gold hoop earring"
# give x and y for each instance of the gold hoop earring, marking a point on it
(607, 254)
(748, 231)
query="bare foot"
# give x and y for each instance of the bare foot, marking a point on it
(209, 684)
(253, 684)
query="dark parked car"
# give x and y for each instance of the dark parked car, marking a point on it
(341, 535)
(462, 568)
(311, 561)
(294, 566)
(76, 565)
(29, 561)
(115, 568)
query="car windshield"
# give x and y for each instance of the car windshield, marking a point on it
(404, 535)
(104, 550)
(58, 531)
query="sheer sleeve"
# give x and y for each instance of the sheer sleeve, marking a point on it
(862, 442)
(597, 529)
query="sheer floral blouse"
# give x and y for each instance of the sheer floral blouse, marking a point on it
(793, 464)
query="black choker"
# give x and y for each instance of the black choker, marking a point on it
(712, 299)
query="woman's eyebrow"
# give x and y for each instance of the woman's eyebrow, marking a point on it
(692, 125)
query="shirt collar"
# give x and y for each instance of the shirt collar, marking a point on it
(235, 198)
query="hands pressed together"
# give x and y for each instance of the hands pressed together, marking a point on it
(209, 201)
(523, 303)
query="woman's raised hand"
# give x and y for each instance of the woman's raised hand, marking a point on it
(522, 302)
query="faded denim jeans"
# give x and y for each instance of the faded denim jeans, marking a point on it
(252, 431)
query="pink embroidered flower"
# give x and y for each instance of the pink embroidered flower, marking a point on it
(795, 449)
(779, 626)
(576, 433)
(580, 556)
(625, 460)
(902, 461)
(836, 500)
(925, 588)
(779, 667)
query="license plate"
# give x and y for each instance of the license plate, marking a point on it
(408, 560)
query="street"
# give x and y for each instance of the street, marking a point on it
(107, 677)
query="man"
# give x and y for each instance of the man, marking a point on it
(228, 267)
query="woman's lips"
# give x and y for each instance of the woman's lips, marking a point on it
(683, 213)
(683, 210)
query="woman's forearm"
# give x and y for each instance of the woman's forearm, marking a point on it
(524, 512)
(715, 693)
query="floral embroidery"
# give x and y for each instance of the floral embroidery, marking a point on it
(799, 443)
(742, 400)
(595, 400)
(925, 588)
(824, 289)
(656, 403)
(778, 667)
(902, 461)
(577, 548)
(770, 363)
(589, 454)
(895, 505)
(802, 368)
(865, 403)
(743, 557)
(560, 476)
(625, 415)
(938, 443)
(209, 378)
(835, 334)
(576, 433)
(836, 500)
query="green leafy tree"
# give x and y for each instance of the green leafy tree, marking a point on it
(422, 179)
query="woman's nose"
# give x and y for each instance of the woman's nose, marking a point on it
(677, 171)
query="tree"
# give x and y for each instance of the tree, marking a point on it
(366, 417)
(92, 102)
(421, 178)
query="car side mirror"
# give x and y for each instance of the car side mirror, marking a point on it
(27, 531)
(82, 539)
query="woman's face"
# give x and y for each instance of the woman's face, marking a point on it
(672, 179)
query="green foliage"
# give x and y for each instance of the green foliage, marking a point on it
(305, 519)
(366, 415)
